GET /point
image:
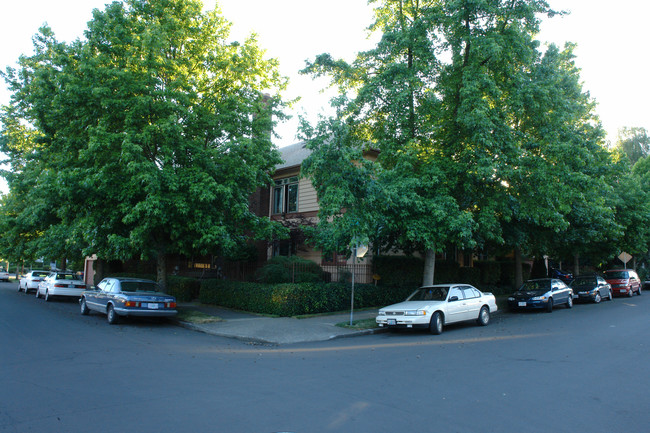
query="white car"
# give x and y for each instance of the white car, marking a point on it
(61, 283)
(31, 280)
(4, 276)
(433, 307)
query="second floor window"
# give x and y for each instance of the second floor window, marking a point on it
(285, 195)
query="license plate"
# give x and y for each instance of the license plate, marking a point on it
(392, 322)
(153, 306)
(522, 304)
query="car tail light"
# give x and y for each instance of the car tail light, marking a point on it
(170, 304)
(60, 285)
(131, 304)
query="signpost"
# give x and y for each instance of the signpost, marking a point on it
(359, 251)
(624, 257)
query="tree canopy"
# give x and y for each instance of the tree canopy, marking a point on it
(146, 138)
(483, 136)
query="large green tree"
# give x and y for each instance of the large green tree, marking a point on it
(156, 131)
(438, 98)
(634, 143)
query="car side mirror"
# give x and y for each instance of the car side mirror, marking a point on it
(453, 298)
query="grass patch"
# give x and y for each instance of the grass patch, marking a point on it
(195, 316)
(359, 324)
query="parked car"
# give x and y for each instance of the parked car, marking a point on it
(117, 297)
(60, 283)
(542, 293)
(625, 282)
(567, 277)
(591, 288)
(4, 276)
(433, 307)
(31, 280)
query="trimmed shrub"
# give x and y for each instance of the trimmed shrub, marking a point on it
(398, 271)
(288, 299)
(289, 269)
(470, 276)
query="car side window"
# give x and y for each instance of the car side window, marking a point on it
(456, 292)
(470, 293)
(107, 286)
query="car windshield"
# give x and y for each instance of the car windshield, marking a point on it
(67, 277)
(619, 275)
(535, 286)
(139, 286)
(429, 294)
(40, 274)
(586, 281)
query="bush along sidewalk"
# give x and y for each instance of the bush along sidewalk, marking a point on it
(289, 299)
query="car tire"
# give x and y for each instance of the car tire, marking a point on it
(20, 289)
(436, 324)
(611, 295)
(84, 308)
(639, 291)
(549, 305)
(597, 299)
(111, 316)
(483, 316)
(569, 301)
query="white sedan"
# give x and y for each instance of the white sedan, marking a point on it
(433, 307)
(32, 280)
(61, 284)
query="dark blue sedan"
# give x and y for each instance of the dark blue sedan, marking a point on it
(117, 297)
(543, 293)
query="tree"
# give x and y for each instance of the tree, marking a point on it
(436, 97)
(633, 142)
(160, 132)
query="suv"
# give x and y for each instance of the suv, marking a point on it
(623, 281)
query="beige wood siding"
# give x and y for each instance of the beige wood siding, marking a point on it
(307, 201)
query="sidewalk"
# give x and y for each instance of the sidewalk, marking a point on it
(282, 330)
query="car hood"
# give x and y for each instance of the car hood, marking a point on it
(412, 305)
(529, 293)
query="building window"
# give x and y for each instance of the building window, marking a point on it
(285, 195)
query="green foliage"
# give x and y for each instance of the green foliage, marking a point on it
(145, 139)
(633, 143)
(292, 269)
(398, 271)
(296, 299)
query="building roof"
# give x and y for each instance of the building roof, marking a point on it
(293, 155)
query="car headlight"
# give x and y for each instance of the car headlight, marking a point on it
(382, 313)
(539, 298)
(511, 299)
(415, 313)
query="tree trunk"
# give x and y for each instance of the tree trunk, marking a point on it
(429, 267)
(576, 265)
(161, 270)
(519, 277)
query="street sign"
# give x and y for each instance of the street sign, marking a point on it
(624, 257)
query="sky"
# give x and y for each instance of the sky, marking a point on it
(611, 45)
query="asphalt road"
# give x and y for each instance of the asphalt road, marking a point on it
(578, 370)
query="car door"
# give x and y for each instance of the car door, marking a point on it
(98, 298)
(604, 288)
(472, 302)
(561, 292)
(456, 308)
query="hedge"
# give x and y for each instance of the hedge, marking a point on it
(288, 299)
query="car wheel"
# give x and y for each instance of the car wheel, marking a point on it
(597, 299)
(569, 302)
(84, 307)
(436, 324)
(549, 305)
(639, 291)
(48, 298)
(483, 316)
(111, 316)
